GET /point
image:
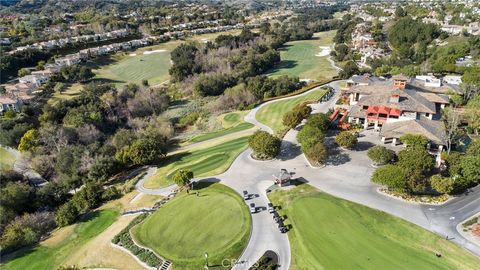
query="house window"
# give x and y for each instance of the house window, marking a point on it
(382, 115)
(393, 116)
(427, 115)
(365, 107)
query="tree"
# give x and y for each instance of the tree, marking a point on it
(291, 119)
(400, 12)
(414, 140)
(442, 184)
(309, 135)
(346, 139)
(451, 119)
(23, 72)
(182, 177)
(319, 120)
(317, 153)
(349, 70)
(28, 141)
(264, 145)
(472, 113)
(147, 150)
(303, 109)
(380, 155)
(66, 214)
(416, 163)
(391, 176)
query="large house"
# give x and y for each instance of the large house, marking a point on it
(395, 107)
(7, 103)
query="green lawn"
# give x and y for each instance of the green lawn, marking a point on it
(6, 159)
(231, 123)
(272, 114)
(208, 160)
(217, 222)
(52, 257)
(70, 92)
(331, 233)
(299, 58)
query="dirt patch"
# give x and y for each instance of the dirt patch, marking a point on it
(154, 51)
(98, 253)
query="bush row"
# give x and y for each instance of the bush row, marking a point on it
(124, 239)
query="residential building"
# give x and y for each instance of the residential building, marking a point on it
(8, 103)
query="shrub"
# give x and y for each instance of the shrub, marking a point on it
(124, 239)
(264, 145)
(414, 140)
(318, 120)
(317, 154)
(292, 118)
(380, 155)
(303, 109)
(391, 176)
(66, 214)
(415, 159)
(346, 139)
(441, 184)
(309, 135)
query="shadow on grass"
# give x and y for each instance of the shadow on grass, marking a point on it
(105, 80)
(284, 64)
(205, 183)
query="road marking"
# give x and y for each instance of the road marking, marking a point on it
(452, 218)
(431, 209)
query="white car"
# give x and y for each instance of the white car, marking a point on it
(253, 209)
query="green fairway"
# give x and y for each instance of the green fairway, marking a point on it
(6, 160)
(331, 233)
(231, 123)
(208, 160)
(217, 222)
(306, 59)
(53, 256)
(137, 66)
(272, 114)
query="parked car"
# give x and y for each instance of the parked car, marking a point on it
(271, 209)
(246, 196)
(275, 215)
(253, 209)
(283, 229)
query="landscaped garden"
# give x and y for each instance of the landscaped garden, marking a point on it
(210, 159)
(331, 233)
(216, 221)
(272, 113)
(54, 252)
(307, 59)
(231, 123)
(6, 159)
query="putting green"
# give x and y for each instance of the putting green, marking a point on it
(209, 160)
(272, 113)
(53, 256)
(306, 59)
(217, 222)
(331, 233)
(6, 160)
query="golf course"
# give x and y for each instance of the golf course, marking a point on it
(55, 251)
(272, 113)
(231, 123)
(149, 63)
(306, 59)
(6, 159)
(207, 160)
(331, 233)
(222, 226)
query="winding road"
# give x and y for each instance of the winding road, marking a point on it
(347, 175)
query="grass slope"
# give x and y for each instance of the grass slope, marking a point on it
(208, 160)
(331, 233)
(6, 159)
(272, 114)
(51, 256)
(70, 92)
(299, 59)
(217, 222)
(231, 123)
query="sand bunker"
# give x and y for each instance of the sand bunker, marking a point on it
(133, 54)
(325, 51)
(155, 51)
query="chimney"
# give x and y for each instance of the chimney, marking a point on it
(399, 82)
(394, 98)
